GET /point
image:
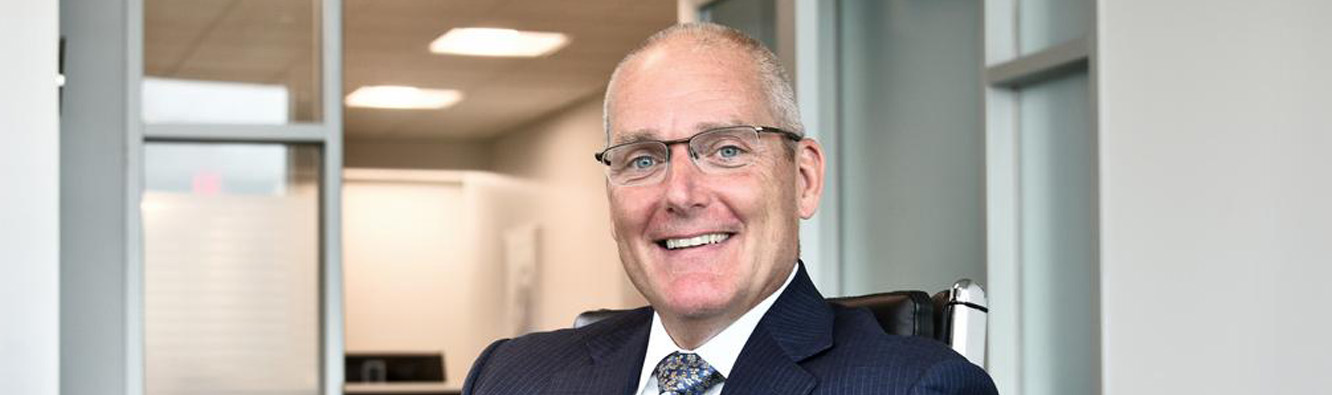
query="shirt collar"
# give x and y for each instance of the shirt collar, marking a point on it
(721, 351)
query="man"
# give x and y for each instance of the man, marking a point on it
(708, 176)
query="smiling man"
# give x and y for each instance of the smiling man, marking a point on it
(708, 176)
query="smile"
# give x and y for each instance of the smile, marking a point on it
(688, 242)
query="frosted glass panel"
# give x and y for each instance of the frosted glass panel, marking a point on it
(181, 101)
(231, 269)
(1058, 264)
(912, 157)
(230, 61)
(1045, 23)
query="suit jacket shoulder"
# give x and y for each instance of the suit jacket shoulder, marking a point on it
(584, 360)
(881, 363)
(804, 345)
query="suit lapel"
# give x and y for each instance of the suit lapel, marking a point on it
(615, 358)
(796, 327)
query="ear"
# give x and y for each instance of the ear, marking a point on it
(809, 177)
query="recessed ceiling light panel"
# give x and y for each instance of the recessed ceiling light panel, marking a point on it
(403, 97)
(484, 41)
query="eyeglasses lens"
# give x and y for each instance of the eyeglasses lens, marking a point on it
(712, 151)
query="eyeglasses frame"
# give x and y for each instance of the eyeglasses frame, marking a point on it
(600, 156)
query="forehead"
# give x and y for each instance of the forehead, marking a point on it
(652, 134)
(675, 91)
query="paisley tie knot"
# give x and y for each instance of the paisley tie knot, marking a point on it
(685, 374)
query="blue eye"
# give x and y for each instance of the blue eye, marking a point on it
(643, 162)
(729, 152)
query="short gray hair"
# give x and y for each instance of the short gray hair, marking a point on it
(772, 77)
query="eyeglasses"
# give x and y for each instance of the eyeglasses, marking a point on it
(714, 151)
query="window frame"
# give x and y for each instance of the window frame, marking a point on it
(326, 133)
(1006, 71)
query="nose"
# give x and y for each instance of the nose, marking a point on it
(684, 194)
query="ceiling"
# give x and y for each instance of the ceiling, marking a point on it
(385, 43)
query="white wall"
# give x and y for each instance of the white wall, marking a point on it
(436, 239)
(414, 281)
(426, 263)
(29, 199)
(579, 268)
(1216, 196)
(414, 154)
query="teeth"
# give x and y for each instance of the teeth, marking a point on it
(711, 238)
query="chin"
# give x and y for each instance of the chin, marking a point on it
(697, 299)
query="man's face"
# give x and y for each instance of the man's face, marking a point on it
(673, 92)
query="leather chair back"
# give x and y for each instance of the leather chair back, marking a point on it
(590, 317)
(957, 317)
(905, 313)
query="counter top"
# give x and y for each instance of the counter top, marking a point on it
(400, 388)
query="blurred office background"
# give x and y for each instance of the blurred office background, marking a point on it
(316, 196)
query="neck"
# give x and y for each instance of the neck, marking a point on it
(691, 332)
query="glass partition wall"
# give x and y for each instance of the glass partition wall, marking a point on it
(231, 62)
(963, 144)
(239, 163)
(912, 159)
(231, 268)
(1042, 211)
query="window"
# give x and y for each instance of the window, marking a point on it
(231, 268)
(1041, 197)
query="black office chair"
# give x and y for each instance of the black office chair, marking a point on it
(903, 313)
(956, 316)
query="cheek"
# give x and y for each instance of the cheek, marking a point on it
(781, 192)
(759, 199)
(770, 208)
(629, 211)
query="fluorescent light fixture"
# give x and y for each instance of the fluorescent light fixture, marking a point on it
(484, 41)
(403, 97)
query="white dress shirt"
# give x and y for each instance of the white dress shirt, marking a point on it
(721, 351)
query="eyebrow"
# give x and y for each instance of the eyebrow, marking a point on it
(649, 134)
(636, 136)
(701, 126)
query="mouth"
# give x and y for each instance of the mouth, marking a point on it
(681, 243)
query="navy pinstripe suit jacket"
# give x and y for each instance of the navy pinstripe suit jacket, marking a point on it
(803, 345)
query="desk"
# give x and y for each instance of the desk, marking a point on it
(400, 388)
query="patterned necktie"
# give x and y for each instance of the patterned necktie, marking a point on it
(685, 374)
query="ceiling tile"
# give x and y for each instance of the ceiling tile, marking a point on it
(385, 42)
